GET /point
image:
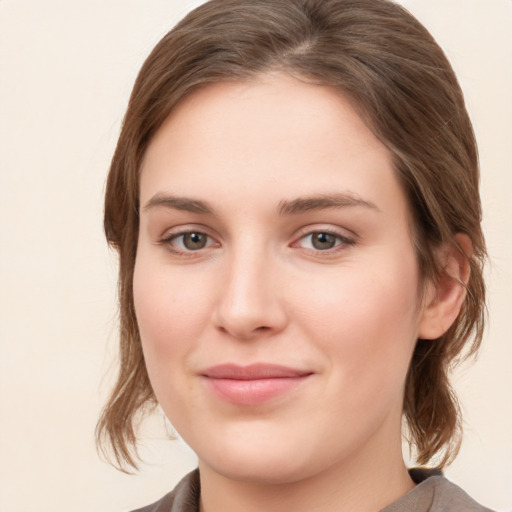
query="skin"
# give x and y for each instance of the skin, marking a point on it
(230, 163)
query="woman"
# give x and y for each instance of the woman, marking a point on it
(294, 198)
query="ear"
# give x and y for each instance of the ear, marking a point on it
(444, 298)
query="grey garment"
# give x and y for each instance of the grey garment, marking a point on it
(433, 493)
(183, 498)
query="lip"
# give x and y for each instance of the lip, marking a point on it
(254, 384)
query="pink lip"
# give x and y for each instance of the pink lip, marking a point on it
(254, 384)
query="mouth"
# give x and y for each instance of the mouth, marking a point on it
(252, 385)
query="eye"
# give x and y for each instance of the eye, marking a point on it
(188, 241)
(323, 241)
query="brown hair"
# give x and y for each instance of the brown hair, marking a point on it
(404, 87)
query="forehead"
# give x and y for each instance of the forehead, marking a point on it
(270, 100)
(273, 136)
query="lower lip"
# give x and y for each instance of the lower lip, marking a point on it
(254, 391)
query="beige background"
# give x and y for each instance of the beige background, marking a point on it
(66, 70)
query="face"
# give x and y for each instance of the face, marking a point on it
(276, 284)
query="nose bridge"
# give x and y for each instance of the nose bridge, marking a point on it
(249, 301)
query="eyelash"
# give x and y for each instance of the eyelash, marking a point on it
(341, 242)
(169, 240)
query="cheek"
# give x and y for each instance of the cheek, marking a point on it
(365, 319)
(166, 301)
(169, 316)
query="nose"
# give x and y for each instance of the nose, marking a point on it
(250, 302)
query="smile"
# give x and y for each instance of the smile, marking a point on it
(254, 384)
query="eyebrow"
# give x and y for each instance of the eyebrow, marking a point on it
(285, 207)
(323, 201)
(179, 203)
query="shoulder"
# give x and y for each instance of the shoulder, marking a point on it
(449, 496)
(183, 498)
(434, 493)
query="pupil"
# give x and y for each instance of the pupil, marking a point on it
(194, 241)
(323, 241)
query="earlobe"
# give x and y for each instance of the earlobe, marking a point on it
(444, 297)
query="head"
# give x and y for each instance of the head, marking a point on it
(393, 74)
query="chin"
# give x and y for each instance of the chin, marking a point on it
(258, 462)
(252, 459)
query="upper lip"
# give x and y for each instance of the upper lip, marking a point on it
(253, 372)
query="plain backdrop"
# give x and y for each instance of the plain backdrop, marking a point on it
(66, 70)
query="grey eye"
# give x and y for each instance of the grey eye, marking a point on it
(194, 241)
(323, 241)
